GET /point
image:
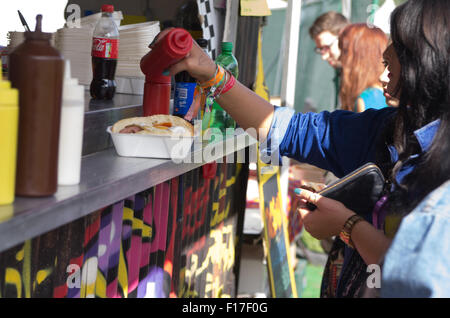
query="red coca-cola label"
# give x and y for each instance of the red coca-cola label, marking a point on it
(105, 48)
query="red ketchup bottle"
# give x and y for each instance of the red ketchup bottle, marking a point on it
(167, 51)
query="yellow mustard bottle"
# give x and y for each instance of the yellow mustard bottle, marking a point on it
(9, 118)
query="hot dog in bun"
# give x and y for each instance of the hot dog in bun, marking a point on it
(162, 125)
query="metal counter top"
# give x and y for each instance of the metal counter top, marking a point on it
(106, 178)
(99, 114)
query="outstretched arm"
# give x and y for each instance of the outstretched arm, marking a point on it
(247, 108)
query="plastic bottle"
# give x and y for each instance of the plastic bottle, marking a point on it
(9, 118)
(219, 117)
(187, 17)
(36, 70)
(167, 51)
(105, 51)
(185, 86)
(71, 131)
(203, 116)
(184, 91)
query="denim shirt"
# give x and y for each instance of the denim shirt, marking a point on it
(417, 263)
(339, 142)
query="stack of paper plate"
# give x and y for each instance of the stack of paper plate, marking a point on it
(133, 45)
(75, 44)
(16, 38)
(134, 41)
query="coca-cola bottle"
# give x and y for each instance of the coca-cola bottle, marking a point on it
(105, 51)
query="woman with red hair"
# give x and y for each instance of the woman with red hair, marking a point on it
(362, 50)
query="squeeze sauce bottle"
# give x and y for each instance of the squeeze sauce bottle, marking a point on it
(71, 131)
(36, 69)
(167, 51)
(9, 116)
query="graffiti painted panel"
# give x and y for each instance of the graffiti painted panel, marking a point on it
(14, 286)
(43, 265)
(161, 290)
(201, 225)
(90, 260)
(104, 244)
(146, 244)
(76, 239)
(171, 232)
(275, 233)
(135, 251)
(127, 225)
(186, 239)
(60, 287)
(174, 240)
(108, 250)
(112, 277)
(191, 257)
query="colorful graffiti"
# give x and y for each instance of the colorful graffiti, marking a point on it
(177, 239)
(281, 276)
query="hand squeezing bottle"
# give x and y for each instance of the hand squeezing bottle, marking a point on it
(173, 47)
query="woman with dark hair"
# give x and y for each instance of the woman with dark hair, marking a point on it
(418, 261)
(410, 143)
(362, 50)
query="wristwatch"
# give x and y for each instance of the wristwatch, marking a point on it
(346, 231)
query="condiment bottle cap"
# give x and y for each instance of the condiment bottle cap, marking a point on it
(227, 46)
(38, 34)
(203, 43)
(108, 8)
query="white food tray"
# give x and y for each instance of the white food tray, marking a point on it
(151, 146)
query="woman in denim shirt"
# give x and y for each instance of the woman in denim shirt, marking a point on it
(417, 263)
(410, 143)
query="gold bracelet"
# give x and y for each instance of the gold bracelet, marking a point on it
(346, 231)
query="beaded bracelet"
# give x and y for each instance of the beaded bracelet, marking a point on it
(230, 84)
(202, 95)
(209, 91)
(220, 88)
(210, 88)
(217, 78)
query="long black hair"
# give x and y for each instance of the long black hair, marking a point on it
(420, 31)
